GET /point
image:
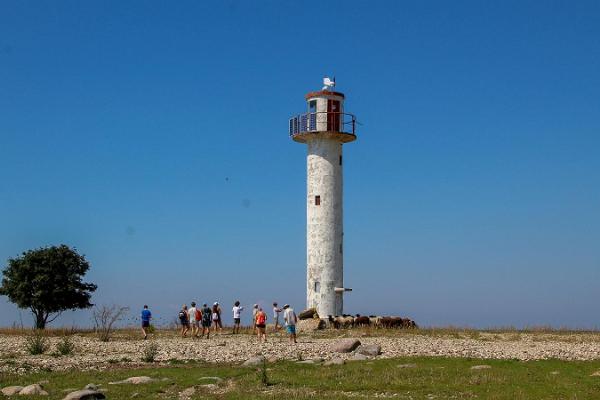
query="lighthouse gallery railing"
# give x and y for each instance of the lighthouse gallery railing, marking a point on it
(336, 122)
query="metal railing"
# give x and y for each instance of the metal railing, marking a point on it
(323, 121)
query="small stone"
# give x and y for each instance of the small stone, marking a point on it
(134, 395)
(35, 389)
(91, 386)
(85, 394)
(597, 373)
(554, 373)
(407, 365)
(305, 362)
(212, 378)
(11, 390)
(134, 380)
(254, 361)
(186, 393)
(335, 361)
(477, 367)
(369, 349)
(346, 345)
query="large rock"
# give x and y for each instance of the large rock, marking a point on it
(346, 345)
(308, 314)
(35, 389)
(11, 390)
(254, 361)
(312, 324)
(369, 349)
(85, 394)
(359, 357)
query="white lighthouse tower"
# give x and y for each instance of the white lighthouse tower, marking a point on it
(324, 128)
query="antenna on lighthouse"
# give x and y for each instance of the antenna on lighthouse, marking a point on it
(328, 83)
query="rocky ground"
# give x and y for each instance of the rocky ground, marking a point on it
(126, 350)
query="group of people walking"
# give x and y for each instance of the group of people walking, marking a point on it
(199, 320)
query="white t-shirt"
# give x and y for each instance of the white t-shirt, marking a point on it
(236, 311)
(289, 316)
(192, 314)
(276, 311)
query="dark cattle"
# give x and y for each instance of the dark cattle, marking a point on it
(362, 321)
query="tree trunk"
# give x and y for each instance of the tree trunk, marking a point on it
(40, 320)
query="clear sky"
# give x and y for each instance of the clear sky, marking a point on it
(152, 136)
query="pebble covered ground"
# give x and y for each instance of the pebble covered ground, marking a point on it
(90, 353)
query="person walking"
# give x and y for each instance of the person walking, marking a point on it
(206, 320)
(261, 325)
(237, 311)
(194, 321)
(183, 319)
(276, 311)
(290, 318)
(216, 316)
(254, 312)
(146, 317)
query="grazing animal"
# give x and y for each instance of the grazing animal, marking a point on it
(361, 321)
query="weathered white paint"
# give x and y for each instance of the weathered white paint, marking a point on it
(324, 233)
(324, 236)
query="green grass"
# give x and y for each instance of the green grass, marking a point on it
(438, 378)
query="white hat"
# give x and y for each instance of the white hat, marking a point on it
(216, 303)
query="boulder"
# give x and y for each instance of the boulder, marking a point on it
(359, 357)
(91, 386)
(346, 345)
(369, 349)
(35, 389)
(85, 394)
(254, 361)
(311, 324)
(308, 314)
(11, 390)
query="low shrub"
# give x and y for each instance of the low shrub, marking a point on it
(36, 343)
(150, 352)
(65, 346)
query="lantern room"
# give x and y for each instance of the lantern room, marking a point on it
(325, 116)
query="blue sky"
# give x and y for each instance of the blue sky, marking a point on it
(152, 136)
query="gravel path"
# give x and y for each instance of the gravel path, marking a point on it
(92, 354)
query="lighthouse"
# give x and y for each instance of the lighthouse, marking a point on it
(324, 128)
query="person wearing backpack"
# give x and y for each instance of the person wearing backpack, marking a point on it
(261, 325)
(206, 320)
(184, 321)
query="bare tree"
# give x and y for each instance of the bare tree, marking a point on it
(105, 317)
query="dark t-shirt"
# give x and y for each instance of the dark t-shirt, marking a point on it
(183, 316)
(206, 315)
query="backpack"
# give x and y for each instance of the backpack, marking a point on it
(182, 315)
(261, 318)
(206, 315)
(198, 315)
(215, 316)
